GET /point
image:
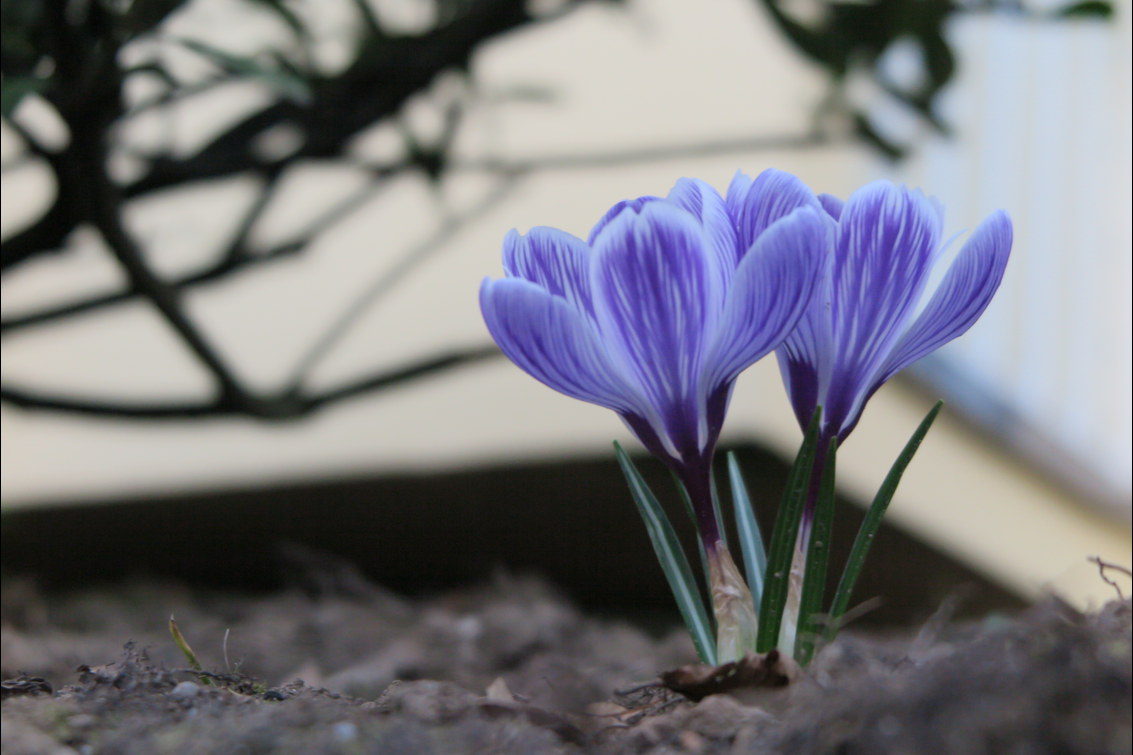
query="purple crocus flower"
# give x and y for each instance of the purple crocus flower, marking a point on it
(654, 317)
(874, 315)
(657, 314)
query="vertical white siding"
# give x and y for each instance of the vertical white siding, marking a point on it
(1042, 120)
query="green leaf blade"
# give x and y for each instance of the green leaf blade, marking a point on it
(872, 521)
(818, 555)
(672, 559)
(747, 530)
(687, 501)
(786, 530)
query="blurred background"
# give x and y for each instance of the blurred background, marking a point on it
(243, 239)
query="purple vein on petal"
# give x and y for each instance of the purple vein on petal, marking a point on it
(626, 205)
(773, 287)
(888, 239)
(707, 206)
(755, 204)
(551, 341)
(961, 297)
(657, 294)
(553, 259)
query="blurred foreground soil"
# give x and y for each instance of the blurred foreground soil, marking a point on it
(339, 665)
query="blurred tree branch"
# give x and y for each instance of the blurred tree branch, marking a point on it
(83, 58)
(288, 405)
(81, 46)
(848, 36)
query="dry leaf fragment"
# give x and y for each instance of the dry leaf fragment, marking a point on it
(697, 681)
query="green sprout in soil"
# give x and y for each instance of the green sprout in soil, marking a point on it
(235, 682)
(190, 656)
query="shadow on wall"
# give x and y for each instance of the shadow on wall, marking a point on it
(571, 521)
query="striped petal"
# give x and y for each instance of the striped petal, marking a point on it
(554, 260)
(633, 205)
(755, 204)
(805, 359)
(657, 295)
(707, 206)
(962, 296)
(553, 342)
(773, 287)
(888, 241)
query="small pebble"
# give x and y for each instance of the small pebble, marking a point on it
(185, 691)
(345, 731)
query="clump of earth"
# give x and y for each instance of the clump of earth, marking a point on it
(343, 666)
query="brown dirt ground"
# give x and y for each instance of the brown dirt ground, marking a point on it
(511, 667)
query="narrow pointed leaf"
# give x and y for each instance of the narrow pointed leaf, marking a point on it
(747, 528)
(818, 554)
(872, 521)
(672, 558)
(183, 644)
(783, 537)
(687, 500)
(721, 525)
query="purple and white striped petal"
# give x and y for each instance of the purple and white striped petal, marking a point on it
(888, 240)
(657, 296)
(554, 343)
(554, 260)
(755, 204)
(960, 299)
(707, 206)
(806, 358)
(773, 287)
(633, 205)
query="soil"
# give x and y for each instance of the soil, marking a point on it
(343, 666)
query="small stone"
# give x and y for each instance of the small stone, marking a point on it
(185, 691)
(345, 731)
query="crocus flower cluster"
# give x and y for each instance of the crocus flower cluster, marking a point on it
(669, 299)
(659, 311)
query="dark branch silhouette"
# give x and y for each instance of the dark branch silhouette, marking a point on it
(86, 89)
(70, 56)
(288, 405)
(238, 256)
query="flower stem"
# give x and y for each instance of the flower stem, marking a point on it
(788, 631)
(736, 623)
(697, 480)
(732, 604)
